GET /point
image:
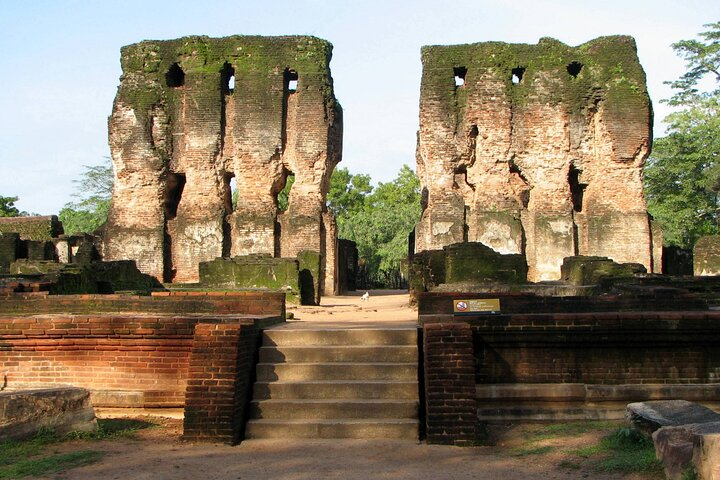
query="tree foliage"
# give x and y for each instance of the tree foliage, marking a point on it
(682, 176)
(8, 208)
(379, 220)
(93, 192)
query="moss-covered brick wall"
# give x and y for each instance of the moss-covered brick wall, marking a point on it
(522, 143)
(195, 115)
(32, 228)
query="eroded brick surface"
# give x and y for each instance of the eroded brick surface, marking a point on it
(536, 149)
(194, 115)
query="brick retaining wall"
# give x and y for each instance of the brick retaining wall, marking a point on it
(643, 355)
(203, 361)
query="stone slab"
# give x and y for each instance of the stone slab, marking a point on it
(650, 416)
(24, 412)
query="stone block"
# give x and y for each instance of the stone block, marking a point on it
(648, 417)
(476, 263)
(706, 256)
(34, 267)
(99, 277)
(692, 446)
(254, 272)
(582, 270)
(65, 409)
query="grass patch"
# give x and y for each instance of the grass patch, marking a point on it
(33, 467)
(34, 457)
(113, 428)
(629, 451)
(623, 451)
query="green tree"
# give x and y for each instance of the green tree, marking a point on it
(347, 192)
(682, 176)
(93, 192)
(8, 208)
(379, 220)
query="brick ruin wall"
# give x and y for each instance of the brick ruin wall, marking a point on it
(130, 359)
(536, 149)
(563, 366)
(192, 116)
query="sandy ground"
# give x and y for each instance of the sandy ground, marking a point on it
(158, 452)
(387, 308)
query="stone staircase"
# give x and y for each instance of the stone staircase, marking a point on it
(336, 383)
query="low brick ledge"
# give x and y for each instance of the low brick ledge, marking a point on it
(581, 392)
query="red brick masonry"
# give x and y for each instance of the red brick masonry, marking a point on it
(451, 413)
(133, 359)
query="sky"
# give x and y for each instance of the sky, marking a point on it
(60, 66)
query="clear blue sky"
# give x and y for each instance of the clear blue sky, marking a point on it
(59, 65)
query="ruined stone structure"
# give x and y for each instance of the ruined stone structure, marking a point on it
(536, 149)
(194, 116)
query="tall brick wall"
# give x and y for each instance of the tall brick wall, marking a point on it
(536, 149)
(181, 133)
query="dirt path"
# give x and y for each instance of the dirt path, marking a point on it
(158, 453)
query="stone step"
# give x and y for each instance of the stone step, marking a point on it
(336, 371)
(343, 354)
(389, 429)
(336, 390)
(333, 409)
(328, 337)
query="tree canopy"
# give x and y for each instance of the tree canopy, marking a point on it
(682, 176)
(379, 220)
(93, 192)
(8, 208)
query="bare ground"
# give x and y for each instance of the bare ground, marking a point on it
(158, 452)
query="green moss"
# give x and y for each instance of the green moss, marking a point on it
(259, 63)
(252, 272)
(475, 263)
(32, 228)
(585, 270)
(309, 277)
(610, 68)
